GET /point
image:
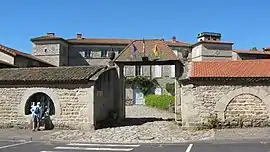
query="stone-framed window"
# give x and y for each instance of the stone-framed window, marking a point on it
(104, 53)
(158, 71)
(88, 53)
(138, 70)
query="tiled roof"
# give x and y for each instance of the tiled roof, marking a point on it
(231, 69)
(212, 42)
(104, 41)
(49, 74)
(251, 52)
(165, 52)
(170, 43)
(100, 41)
(16, 52)
(43, 38)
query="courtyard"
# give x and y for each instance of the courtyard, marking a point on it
(144, 125)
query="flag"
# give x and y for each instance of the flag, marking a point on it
(155, 50)
(143, 47)
(134, 51)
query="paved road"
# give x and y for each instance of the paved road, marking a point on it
(26, 146)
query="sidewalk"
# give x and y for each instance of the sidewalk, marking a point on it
(23, 134)
(238, 134)
(242, 134)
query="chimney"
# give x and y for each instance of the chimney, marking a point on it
(50, 34)
(79, 36)
(174, 39)
(266, 49)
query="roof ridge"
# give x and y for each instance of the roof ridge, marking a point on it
(58, 67)
(222, 61)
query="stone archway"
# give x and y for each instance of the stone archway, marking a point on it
(223, 103)
(31, 92)
(45, 101)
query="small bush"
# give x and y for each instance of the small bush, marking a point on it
(159, 101)
(170, 87)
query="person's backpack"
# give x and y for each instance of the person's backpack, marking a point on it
(36, 111)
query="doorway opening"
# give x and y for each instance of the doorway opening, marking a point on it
(47, 108)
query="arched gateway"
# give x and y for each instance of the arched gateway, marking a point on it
(46, 97)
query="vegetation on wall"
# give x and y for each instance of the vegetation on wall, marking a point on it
(159, 101)
(145, 84)
(170, 87)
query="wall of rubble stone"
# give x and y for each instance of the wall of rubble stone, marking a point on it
(250, 104)
(73, 105)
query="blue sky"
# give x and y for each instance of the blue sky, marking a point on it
(244, 22)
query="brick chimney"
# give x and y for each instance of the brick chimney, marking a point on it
(79, 36)
(50, 34)
(174, 39)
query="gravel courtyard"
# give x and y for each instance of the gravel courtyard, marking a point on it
(144, 125)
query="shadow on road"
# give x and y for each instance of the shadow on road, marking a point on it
(128, 122)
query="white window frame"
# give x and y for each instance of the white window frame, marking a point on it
(158, 75)
(173, 66)
(140, 73)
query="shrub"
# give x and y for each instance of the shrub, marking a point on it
(159, 101)
(170, 87)
(145, 84)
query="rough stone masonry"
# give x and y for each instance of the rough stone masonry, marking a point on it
(229, 102)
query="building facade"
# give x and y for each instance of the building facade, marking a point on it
(88, 51)
(84, 51)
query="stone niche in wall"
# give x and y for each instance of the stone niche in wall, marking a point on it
(249, 109)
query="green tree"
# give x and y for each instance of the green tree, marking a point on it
(254, 49)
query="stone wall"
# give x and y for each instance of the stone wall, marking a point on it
(249, 108)
(73, 104)
(106, 96)
(228, 102)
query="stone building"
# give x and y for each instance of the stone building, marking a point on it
(75, 97)
(135, 55)
(13, 58)
(232, 90)
(89, 51)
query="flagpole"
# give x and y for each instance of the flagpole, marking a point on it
(143, 48)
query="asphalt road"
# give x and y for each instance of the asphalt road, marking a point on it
(26, 146)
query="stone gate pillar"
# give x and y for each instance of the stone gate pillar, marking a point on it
(178, 73)
(122, 92)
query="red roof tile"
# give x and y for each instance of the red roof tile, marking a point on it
(251, 52)
(231, 69)
(104, 41)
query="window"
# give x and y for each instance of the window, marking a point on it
(138, 70)
(103, 53)
(119, 51)
(157, 70)
(87, 53)
(173, 66)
